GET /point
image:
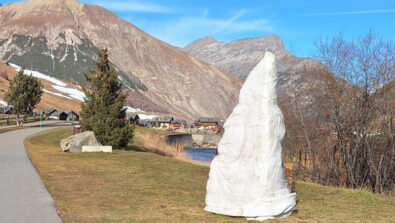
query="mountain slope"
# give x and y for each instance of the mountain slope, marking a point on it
(298, 76)
(52, 97)
(61, 37)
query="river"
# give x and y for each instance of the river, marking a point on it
(206, 154)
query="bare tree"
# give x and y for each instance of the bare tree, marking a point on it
(359, 107)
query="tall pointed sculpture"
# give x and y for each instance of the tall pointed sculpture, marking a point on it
(247, 176)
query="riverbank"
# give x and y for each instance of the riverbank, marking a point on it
(140, 186)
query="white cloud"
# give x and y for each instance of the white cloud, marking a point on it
(361, 12)
(134, 6)
(184, 30)
(232, 20)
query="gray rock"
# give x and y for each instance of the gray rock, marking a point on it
(298, 77)
(74, 143)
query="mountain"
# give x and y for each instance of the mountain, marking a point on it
(61, 37)
(298, 76)
(55, 95)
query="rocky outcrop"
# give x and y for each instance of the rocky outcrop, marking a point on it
(64, 34)
(75, 143)
(298, 76)
(237, 57)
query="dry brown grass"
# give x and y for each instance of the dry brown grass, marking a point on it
(47, 100)
(153, 140)
(138, 186)
(157, 144)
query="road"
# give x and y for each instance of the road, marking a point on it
(23, 196)
(30, 124)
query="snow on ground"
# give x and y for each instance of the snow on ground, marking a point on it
(142, 116)
(139, 111)
(74, 93)
(3, 103)
(39, 75)
(57, 94)
(58, 85)
(132, 110)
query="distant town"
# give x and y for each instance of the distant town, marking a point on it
(203, 125)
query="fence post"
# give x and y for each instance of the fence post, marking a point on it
(41, 118)
(8, 121)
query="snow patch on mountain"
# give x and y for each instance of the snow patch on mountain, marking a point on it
(39, 75)
(139, 111)
(3, 103)
(132, 110)
(58, 85)
(57, 94)
(148, 117)
(74, 93)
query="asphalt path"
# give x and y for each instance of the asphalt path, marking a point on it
(23, 196)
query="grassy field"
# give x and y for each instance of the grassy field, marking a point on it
(139, 186)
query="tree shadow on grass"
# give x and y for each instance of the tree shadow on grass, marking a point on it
(135, 148)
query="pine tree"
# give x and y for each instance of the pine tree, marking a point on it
(103, 111)
(24, 93)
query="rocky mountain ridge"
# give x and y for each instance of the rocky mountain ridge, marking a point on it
(61, 37)
(298, 76)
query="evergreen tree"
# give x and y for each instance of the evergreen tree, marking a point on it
(24, 93)
(103, 111)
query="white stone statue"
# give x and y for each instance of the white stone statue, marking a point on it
(247, 176)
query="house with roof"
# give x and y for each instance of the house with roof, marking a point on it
(72, 116)
(5, 110)
(46, 113)
(132, 118)
(145, 123)
(59, 115)
(178, 124)
(208, 123)
(162, 122)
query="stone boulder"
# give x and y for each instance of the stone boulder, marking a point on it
(75, 143)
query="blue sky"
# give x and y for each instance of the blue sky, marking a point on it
(299, 23)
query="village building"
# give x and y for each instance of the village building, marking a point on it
(207, 122)
(221, 127)
(145, 123)
(46, 113)
(59, 115)
(132, 118)
(178, 124)
(72, 116)
(5, 110)
(162, 122)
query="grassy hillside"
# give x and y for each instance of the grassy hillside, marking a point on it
(47, 100)
(138, 186)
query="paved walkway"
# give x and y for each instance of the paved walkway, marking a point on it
(23, 197)
(30, 124)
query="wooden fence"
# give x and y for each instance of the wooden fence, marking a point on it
(11, 119)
